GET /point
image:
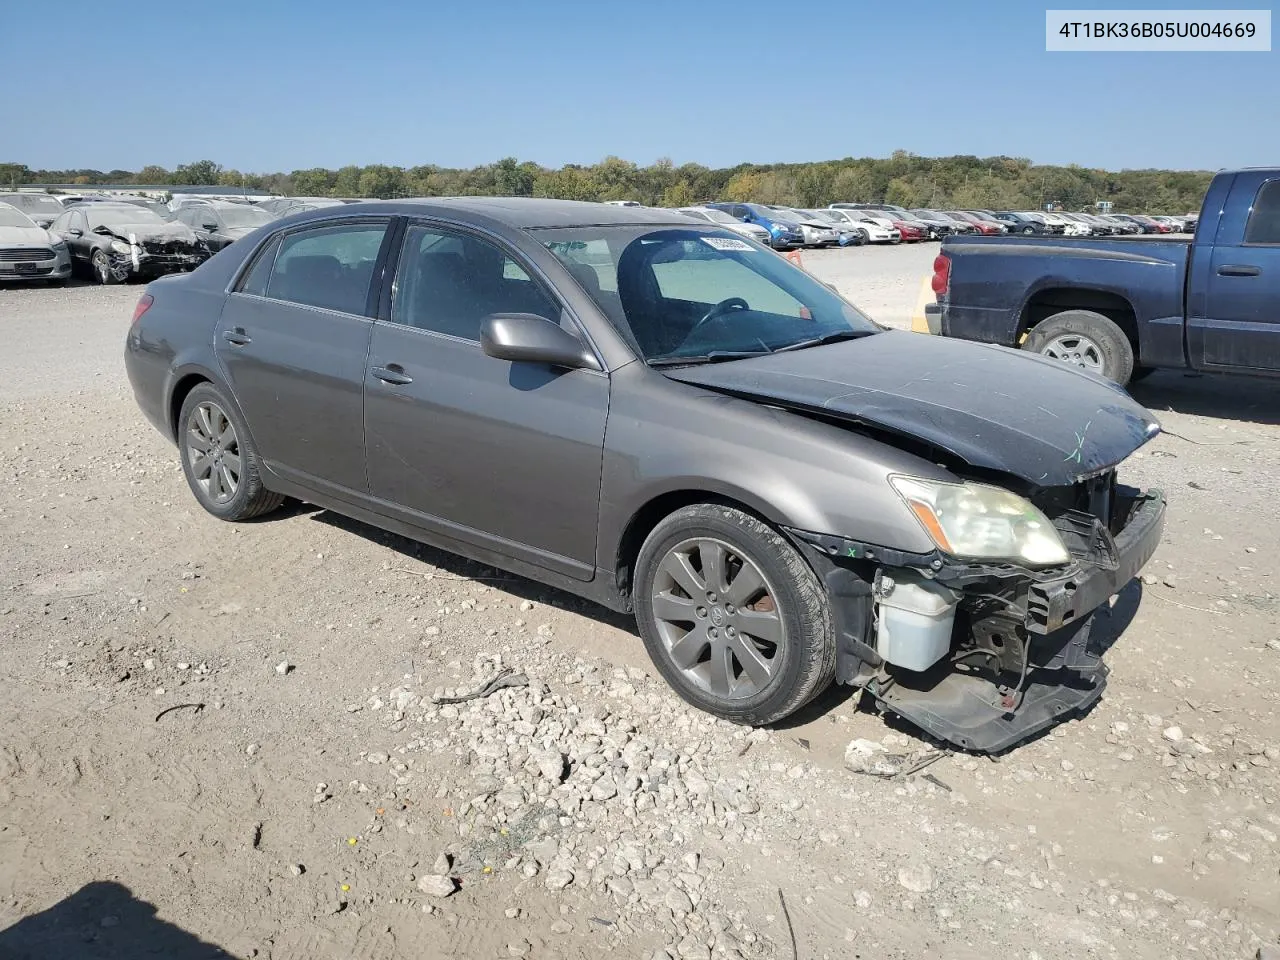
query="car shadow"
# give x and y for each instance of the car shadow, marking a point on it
(452, 566)
(1223, 397)
(101, 921)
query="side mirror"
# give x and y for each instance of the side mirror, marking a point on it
(529, 338)
(75, 232)
(211, 227)
(103, 231)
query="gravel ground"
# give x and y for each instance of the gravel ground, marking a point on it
(305, 795)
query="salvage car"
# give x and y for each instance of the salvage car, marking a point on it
(712, 215)
(1123, 308)
(220, 224)
(42, 208)
(28, 252)
(666, 418)
(114, 242)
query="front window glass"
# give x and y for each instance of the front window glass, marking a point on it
(102, 215)
(13, 217)
(243, 216)
(691, 293)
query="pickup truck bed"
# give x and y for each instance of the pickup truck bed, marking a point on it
(1124, 306)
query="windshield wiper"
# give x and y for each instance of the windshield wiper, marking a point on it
(715, 356)
(823, 341)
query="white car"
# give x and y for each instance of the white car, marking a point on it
(846, 233)
(877, 229)
(1070, 228)
(817, 233)
(29, 252)
(722, 219)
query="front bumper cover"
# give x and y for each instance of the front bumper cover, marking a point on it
(1066, 674)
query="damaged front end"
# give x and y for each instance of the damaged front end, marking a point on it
(153, 255)
(985, 654)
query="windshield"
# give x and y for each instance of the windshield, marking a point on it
(717, 216)
(686, 292)
(13, 217)
(243, 216)
(101, 215)
(33, 203)
(822, 215)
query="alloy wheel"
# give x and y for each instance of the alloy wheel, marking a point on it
(213, 452)
(717, 617)
(1077, 350)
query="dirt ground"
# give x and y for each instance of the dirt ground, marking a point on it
(220, 737)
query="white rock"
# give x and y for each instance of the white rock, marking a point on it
(437, 885)
(1172, 734)
(283, 667)
(376, 758)
(559, 879)
(604, 789)
(917, 878)
(867, 756)
(443, 864)
(678, 901)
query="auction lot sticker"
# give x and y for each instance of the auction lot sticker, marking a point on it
(1243, 31)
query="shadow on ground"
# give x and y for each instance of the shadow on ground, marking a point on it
(101, 921)
(1247, 399)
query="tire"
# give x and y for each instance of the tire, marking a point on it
(1095, 339)
(219, 488)
(864, 237)
(1028, 230)
(101, 267)
(794, 656)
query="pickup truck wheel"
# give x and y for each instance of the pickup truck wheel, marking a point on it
(1085, 339)
(732, 616)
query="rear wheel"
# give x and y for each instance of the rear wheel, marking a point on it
(218, 457)
(1084, 339)
(732, 616)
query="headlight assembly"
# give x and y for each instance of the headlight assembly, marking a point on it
(982, 522)
(122, 247)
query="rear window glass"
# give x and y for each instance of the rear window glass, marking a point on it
(1264, 221)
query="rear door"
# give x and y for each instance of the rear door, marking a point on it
(1239, 328)
(505, 456)
(292, 342)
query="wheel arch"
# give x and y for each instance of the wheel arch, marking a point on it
(1049, 300)
(653, 511)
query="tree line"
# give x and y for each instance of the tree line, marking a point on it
(960, 182)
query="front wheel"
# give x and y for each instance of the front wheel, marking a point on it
(732, 616)
(1084, 339)
(102, 270)
(219, 459)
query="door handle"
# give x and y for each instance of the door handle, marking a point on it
(1238, 270)
(237, 336)
(392, 373)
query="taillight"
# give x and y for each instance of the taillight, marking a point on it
(941, 274)
(144, 304)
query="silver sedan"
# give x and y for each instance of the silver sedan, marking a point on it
(27, 252)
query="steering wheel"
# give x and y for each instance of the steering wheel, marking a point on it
(719, 310)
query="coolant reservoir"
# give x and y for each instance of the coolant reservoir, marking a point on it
(915, 620)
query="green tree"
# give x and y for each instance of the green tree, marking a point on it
(202, 172)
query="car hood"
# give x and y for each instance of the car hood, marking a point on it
(153, 231)
(24, 237)
(993, 408)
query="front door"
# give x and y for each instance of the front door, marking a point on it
(292, 343)
(1241, 326)
(502, 455)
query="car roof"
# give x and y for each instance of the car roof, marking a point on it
(518, 212)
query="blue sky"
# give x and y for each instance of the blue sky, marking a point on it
(268, 85)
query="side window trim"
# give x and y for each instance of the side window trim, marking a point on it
(536, 275)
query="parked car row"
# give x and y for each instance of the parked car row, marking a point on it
(113, 239)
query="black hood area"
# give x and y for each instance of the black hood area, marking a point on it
(993, 408)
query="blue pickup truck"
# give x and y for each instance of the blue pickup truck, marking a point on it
(1123, 308)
